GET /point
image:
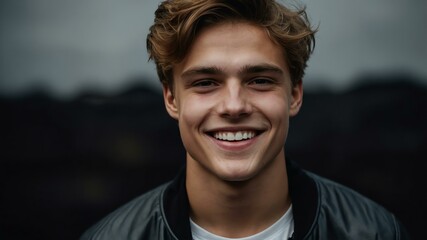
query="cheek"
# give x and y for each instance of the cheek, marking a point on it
(276, 108)
(192, 112)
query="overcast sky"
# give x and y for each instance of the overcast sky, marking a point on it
(70, 45)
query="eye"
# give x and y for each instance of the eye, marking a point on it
(204, 83)
(262, 83)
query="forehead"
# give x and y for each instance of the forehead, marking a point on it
(231, 45)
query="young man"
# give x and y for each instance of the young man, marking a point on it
(231, 72)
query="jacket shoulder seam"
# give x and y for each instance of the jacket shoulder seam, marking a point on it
(396, 228)
(103, 225)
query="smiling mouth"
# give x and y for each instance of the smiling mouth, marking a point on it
(234, 136)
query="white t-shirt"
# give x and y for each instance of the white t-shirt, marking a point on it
(282, 229)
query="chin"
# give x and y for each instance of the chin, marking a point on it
(236, 174)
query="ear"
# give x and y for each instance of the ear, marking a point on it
(170, 102)
(296, 99)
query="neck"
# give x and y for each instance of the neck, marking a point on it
(240, 208)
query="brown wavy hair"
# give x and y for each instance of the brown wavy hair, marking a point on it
(177, 23)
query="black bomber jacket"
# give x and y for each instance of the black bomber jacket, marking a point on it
(322, 210)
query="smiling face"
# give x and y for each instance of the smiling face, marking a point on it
(233, 98)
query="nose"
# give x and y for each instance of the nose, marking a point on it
(234, 102)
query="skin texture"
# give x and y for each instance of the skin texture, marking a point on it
(234, 78)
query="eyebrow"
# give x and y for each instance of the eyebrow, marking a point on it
(202, 70)
(247, 69)
(261, 68)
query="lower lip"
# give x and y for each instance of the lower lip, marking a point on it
(235, 146)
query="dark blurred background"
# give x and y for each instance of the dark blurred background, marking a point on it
(84, 128)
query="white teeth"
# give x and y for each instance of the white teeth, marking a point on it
(238, 136)
(234, 136)
(230, 136)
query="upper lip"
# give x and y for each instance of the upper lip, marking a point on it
(233, 129)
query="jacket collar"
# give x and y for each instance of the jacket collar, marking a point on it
(305, 199)
(176, 207)
(302, 189)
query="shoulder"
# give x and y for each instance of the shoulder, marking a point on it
(132, 220)
(344, 212)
